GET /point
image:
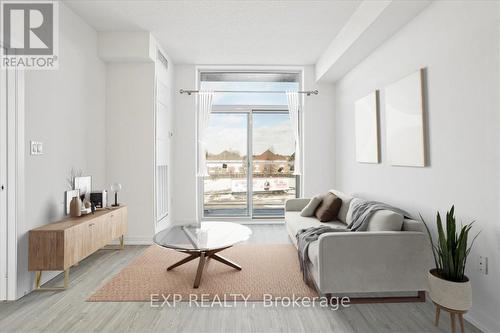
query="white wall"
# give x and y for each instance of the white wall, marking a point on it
(458, 43)
(318, 137)
(95, 117)
(65, 109)
(130, 143)
(131, 131)
(126, 46)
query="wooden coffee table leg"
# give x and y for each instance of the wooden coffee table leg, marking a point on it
(199, 272)
(204, 257)
(225, 261)
(192, 256)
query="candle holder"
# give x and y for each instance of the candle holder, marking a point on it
(116, 187)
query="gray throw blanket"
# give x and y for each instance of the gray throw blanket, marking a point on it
(304, 238)
(363, 210)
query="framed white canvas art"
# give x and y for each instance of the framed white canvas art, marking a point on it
(366, 123)
(404, 115)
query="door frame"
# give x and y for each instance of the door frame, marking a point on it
(249, 111)
(13, 178)
(3, 180)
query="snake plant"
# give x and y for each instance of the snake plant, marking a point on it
(451, 251)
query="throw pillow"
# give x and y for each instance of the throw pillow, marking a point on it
(329, 208)
(310, 208)
(346, 201)
(354, 202)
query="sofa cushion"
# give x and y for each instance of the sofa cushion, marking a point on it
(294, 222)
(346, 201)
(329, 208)
(310, 208)
(385, 220)
(382, 220)
(413, 225)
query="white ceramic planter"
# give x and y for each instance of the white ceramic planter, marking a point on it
(451, 295)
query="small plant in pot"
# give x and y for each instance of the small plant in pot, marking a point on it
(448, 285)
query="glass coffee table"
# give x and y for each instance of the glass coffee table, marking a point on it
(203, 241)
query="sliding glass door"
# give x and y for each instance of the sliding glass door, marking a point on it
(235, 141)
(272, 163)
(225, 189)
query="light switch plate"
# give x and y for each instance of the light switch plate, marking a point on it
(36, 148)
(483, 265)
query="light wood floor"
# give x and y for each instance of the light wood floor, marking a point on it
(69, 312)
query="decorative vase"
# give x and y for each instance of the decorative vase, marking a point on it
(75, 207)
(451, 295)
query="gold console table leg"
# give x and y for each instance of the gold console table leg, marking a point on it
(38, 281)
(121, 245)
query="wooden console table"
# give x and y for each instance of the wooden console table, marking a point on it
(60, 245)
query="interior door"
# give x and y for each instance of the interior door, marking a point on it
(3, 181)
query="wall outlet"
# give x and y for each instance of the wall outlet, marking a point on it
(36, 148)
(483, 265)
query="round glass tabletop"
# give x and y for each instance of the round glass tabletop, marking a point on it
(205, 236)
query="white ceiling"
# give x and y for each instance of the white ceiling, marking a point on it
(227, 32)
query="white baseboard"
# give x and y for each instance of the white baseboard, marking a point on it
(183, 222)
(135, 240)
(483, 322)
(46, 277)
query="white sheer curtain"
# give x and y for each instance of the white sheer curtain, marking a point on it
(293, 111)
(205, 100)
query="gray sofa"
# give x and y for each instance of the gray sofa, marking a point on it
(386, 257)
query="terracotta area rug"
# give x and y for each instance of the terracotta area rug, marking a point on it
(267, 270)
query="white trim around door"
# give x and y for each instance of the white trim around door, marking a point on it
(11, 176)
(3, 182)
